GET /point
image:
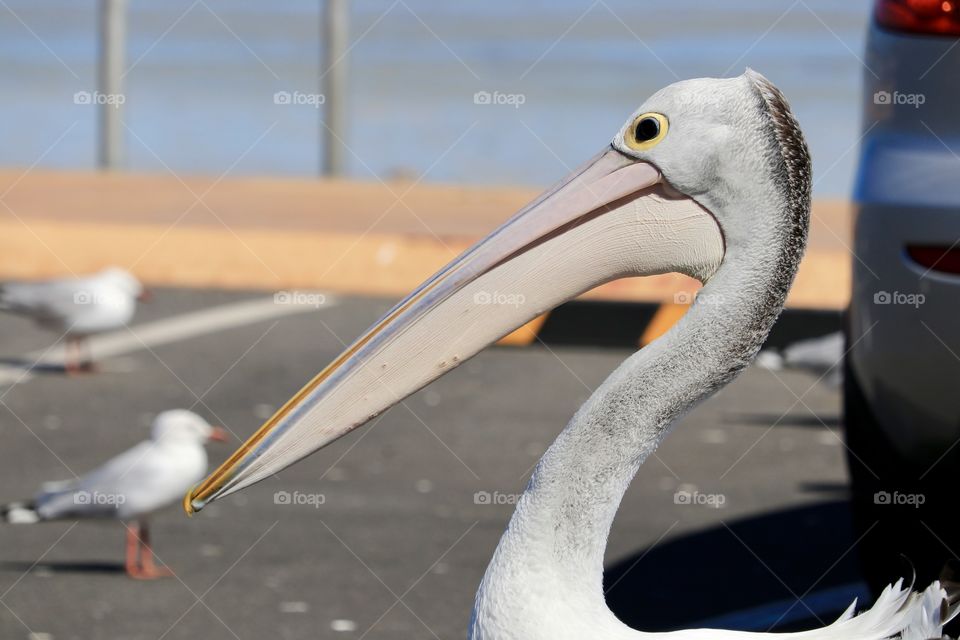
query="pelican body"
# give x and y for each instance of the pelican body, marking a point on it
(711, 178)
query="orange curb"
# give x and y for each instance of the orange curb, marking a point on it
(265, 233)
(665, 317)
(525, 335)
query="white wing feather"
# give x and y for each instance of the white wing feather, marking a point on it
(898, 613)
(136, 482)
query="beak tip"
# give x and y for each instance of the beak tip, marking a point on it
(189, 506)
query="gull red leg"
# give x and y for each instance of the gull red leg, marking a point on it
(147, 568)
(77, 356)
(71, 360)
(84, 355)
(131, 561)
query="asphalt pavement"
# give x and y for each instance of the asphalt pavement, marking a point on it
(386, 533)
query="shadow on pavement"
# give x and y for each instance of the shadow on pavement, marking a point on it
(789, 420)
(739, 566)
(32, 366)
(63, 567)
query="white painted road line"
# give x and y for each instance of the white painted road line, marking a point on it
(175, 329)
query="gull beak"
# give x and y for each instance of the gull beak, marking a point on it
(146, 295)
(218, 434)
(614, 217)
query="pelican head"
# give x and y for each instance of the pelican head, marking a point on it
(732, 145)
(707, 175)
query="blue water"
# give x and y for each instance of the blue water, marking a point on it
(199, 93)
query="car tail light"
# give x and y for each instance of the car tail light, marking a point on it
(945, 259)
(934, 17)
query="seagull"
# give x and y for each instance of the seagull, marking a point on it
(77, 307)
(146, 478)
(710, 178)
(821, 356)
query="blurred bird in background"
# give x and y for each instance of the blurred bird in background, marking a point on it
(822, 357)
(129, 487)
(77, 307)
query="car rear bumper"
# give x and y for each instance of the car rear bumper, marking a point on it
(904, 328)
(904, 321)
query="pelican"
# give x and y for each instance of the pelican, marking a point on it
(77, 308)
(710, 178)
(130, 487)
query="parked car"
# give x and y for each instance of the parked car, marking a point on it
(902, 366)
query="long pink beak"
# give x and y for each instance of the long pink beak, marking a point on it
(611, 218)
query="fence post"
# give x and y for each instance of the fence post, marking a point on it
(113, 35)
(334, 86)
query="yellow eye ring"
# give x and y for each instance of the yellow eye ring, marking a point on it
(646, 131)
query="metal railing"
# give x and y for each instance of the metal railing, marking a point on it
(113, 36)
(110, 71)
(335, 28)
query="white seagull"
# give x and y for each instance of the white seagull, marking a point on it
(821, 356)
(710, 178)
(146, 478)
(77, 307)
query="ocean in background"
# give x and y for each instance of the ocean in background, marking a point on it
(202, 78)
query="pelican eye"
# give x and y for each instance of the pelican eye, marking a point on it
(646, 130)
